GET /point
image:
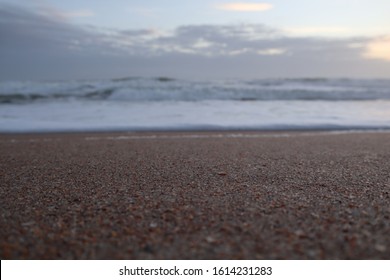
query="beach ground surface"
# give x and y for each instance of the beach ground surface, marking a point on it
(195, 195)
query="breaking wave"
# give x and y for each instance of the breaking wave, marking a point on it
(133, 89)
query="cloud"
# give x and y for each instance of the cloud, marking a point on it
(35, 45)
(78, 14)
(245, 7)
(317, 31)
(378, 49)
(139, 32)
(271, 51)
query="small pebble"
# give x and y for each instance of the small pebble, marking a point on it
(210, 239)
(380, 247)
(153, 225)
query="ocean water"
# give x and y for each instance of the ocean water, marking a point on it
(136, 104)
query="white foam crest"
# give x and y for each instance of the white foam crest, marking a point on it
(146, 90)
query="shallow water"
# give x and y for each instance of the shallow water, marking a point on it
(165, 104)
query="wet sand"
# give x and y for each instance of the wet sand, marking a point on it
(209, 195)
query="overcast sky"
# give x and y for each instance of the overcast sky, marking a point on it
(53, 39)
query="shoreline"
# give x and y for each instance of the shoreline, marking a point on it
(195, 195)
(203, 130)
(179, 134)
(196, 131)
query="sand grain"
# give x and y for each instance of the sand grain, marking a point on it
(79, 196)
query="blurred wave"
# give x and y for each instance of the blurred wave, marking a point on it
(135, 89)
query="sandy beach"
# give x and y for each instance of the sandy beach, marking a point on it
(195, 195)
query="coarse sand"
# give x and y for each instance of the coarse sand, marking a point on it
(195, 195)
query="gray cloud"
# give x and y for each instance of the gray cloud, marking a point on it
(36, 45)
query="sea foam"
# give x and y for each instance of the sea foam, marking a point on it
(168, 104)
